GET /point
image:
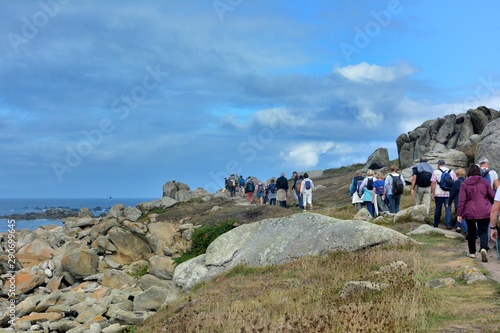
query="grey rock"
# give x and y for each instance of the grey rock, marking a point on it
(352, 288)
(378, 159)
(275, 241)
(489, 145)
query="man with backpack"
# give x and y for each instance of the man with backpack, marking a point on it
(490, 175)
(306, 189)
(282, 190)
(441, 184)
(421, 183)
(394, 187)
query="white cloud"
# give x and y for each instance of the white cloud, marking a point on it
(276, 118)
(307, 155)
(364, 72)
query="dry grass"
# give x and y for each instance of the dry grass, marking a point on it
(304, 295)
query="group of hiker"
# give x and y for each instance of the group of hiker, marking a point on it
(377, 193)
(475, 195)
(275, 191)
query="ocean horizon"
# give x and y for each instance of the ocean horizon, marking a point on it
(98, 206)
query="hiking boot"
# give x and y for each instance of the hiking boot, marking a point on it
(472, 255)
(484, 255)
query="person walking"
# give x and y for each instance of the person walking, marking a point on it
(488, 174)
(393, 183)
(365, 189)
(249, 189)
(356, 181)
(421, 183)
(474, 205)
(260, 193)
(306, 189)
(455, 191)
(282, 189)
(441, 194)
(271, 196)
(494, 216)
(378, 195)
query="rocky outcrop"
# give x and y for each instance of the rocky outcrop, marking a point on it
(453, 132)
(378, 159)
(278, 240)
(489, 144)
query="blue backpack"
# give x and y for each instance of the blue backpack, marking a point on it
(446, 182)
(486, 175)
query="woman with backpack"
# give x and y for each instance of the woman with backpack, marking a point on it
(366, 189)
(378, 194)
(474, 205)
(394, 186)
(249, 189)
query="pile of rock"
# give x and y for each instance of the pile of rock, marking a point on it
(88, 275)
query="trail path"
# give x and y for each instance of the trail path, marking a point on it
(493, 265)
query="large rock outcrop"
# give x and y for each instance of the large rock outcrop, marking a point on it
(453, 132)
(278, 240)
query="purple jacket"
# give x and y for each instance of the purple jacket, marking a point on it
(475, 198)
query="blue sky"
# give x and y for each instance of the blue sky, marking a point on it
(103, 98)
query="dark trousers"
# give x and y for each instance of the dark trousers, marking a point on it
(394, 201)
(282, 204)
(370, 207)
(440, 202)
(482, 232)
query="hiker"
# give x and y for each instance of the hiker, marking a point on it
(298, 188)
(271, 196)
(378, 194)
(242, 185)
(365, 189)
(490, 175)
(394, 187)
(249, 189)
(232, 185)
(282, 190)
(455, 191)
(421, 183)
(295, 178)
(306, 189)
(494, 216)
(440, 192)
(474, 205)
(260, 191)
(353, 190)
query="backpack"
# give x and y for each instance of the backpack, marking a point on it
(272, 188)
(397, 185)
(308, 184)
(260, 188)
(446, 182)
(233, 183)
(357, 182)
(369, 184)
(250, 187)
(242, 182)
(299, 185)
(486, 175)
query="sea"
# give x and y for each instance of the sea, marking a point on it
(22, 206)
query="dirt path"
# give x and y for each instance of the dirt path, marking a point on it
(493, 264)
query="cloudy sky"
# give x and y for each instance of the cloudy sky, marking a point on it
(103, 98)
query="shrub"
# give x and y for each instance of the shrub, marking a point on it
(203, 237)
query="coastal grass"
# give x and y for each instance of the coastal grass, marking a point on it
(305, 296)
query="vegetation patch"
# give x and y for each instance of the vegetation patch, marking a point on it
(203, 237)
